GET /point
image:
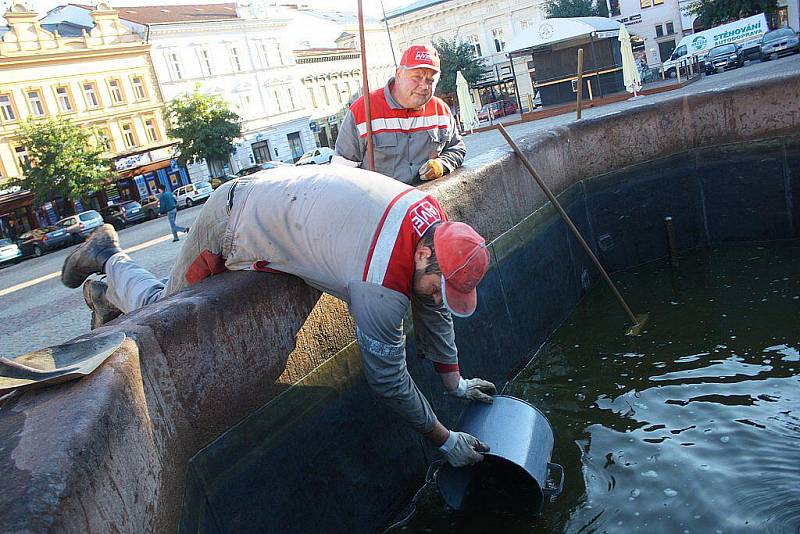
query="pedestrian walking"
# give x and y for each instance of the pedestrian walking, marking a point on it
(415, 134)
(378, 244)
(167, 204)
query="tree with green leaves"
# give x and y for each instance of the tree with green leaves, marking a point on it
(715, 12)
(204, 126)
(575, 8)
(61, 160)
(456, 55)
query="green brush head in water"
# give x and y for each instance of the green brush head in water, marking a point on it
(636, 329)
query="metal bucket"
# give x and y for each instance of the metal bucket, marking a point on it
(517, 471)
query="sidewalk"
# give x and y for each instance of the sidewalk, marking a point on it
(487, 144)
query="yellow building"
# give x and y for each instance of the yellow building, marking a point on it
(102, 80)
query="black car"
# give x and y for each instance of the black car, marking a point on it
(727, 56)
(123, 215)
(37, 242)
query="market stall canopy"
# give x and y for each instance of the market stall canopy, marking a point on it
(551, 31)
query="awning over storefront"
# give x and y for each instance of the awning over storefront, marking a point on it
(549, 32)
(150, 167)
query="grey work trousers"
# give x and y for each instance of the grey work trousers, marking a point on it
(131, 286)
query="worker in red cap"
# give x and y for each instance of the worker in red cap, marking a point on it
(415, 135)
(378, 244)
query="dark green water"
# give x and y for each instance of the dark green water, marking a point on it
(694, 426)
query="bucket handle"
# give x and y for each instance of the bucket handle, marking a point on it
(553, 488)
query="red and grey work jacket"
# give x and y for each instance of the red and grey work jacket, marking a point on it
(404, 139)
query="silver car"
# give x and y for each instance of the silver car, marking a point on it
(188, 195)
(778, 42)
(81, 225)
(9, 251)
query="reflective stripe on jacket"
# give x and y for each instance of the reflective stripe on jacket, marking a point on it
(404, 139)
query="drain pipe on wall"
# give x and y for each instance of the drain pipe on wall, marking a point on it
(637, 320)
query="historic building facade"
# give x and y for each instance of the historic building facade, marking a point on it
(487, 25)
(103, 81)
(237, 51)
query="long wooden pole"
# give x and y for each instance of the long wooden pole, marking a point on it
(365, 83)
(580, 83)
(638, 322)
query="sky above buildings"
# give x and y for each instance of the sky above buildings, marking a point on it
(371, 7)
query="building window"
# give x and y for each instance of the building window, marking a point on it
(264, 50)
(128, 135)
(64, 99)
(36, 102)
(115, 88)
(277, 98)
(152, 130)
(174, 65)
(104, 138)
(614, 8)
(659, 30)
(658, 2)
(312, 96)
(291, 99)
(338, 91)
(90, 95)
(22, 157)
(236, 63)
(205, 62)
(138, 88)
(7, 109)
(670, 28)
(325, 94)
(278, 53)
(499, 40)
(645, 3)
(523, 24)
(475, 43)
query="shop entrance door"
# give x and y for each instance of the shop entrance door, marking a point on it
(295, 145)
(261, 151)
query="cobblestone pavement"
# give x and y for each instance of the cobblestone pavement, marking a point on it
(47, 313)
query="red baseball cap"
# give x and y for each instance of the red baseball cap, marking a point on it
(419, 57)
(464, 259)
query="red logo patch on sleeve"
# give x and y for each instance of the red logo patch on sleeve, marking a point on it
(423, 214)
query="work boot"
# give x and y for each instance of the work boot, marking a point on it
(90, 256)
(94, 293)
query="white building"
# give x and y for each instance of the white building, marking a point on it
(328, 57)
(234, 50)
(657, 22)
(488, 25)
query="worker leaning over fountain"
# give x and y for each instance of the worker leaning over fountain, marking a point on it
(378, 244)
(414, 134)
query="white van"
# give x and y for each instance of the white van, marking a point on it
(188, 195)
(743, 32)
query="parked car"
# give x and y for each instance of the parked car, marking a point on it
(81, 225)
(123, 215)
(41, 240)
(263, 166)
(150, 206)
(219, 180)
(727, 56)
(318, 156)
(778, 42)
(189, 195)
(501, 108)
(9, 251)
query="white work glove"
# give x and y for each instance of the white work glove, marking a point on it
(462, 449)
(475, 389)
